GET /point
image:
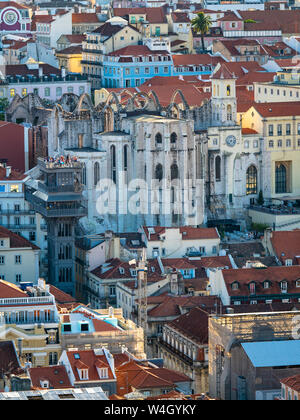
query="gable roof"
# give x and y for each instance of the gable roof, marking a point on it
(16, 241)
(9, 362)
(86, 359)
(275, 275)
(153, 14)
(277, 109)
(10, 290)
(286, 245)
(193, 325)
(85, 18)
(56, 376)
(292, 382)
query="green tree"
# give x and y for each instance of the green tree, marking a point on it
(260, 199)
(201, 25)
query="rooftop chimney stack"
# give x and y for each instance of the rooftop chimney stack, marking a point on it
(8, 171)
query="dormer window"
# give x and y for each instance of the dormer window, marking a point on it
(133, 272)
(252, 288)
(283, 286)
(266, 284)
(121, 270)
(298, 283)
(288, 262)
(235, 286)
(103, 373)
(83, 374)
(44, 383)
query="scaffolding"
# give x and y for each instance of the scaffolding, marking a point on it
(229, 331)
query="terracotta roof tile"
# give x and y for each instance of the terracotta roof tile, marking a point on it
(244, 276)
(193, 324)
(85, 18)
(16, 241)
(56, 375)
(292, 382)
(286, 245)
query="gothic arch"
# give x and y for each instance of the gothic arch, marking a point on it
(184, 102)
(84, 99)
(69, 102)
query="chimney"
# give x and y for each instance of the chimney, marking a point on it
(40, 71)
(8, 171)
(63, 72)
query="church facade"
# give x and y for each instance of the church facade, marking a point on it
(145, 164)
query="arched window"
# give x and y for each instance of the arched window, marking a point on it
(228, 90)
(113, 163)
(280, 179)
(174, 171)
(96, 173)
(159, 172)
(229, 113)
(251, 180)
(84, 174)
(173, 138)
(125, 157)
(158, 138)
(218, 168)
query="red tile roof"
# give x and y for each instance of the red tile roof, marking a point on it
(85, 18)
(23, 70)
(286, 20)
(102, 326)
(153, 14)
(223, 73)
(73, 49)
(87, 360)
(75, 38)
(196, 59)
(286, 245)
(16, 241)
(187, 232)
(133, 375)
(171, 305)
(277, 109)
(292, 382)
(136, 51)
(60, 296)
(276, 274)
(181, 17)
(56, 376)
(9, 290)
(14, 175)
(193, 325)
(9, 363)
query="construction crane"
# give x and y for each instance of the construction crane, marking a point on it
(141, 267)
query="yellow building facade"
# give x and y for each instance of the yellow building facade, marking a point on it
(70, 58)
(279, 127)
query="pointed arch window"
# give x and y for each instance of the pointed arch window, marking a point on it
(229, 112)
(173, 138)
(158, 138)
(84, 174)
(218, 168)
(113, 163)
(280, 179)
(96, 173)
(251, 180)
(159, 172)
(125, 156)
(174, 171)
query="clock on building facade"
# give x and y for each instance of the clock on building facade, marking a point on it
(230, 141)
